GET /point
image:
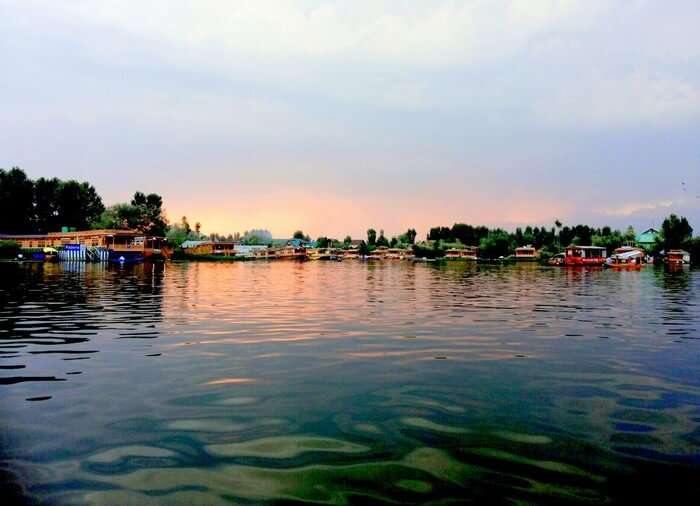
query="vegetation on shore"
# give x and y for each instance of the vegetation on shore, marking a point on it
(45, 205)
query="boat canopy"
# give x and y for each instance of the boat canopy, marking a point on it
(629, 254)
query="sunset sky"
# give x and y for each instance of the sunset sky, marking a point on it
(336, 116)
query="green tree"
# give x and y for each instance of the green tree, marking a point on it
(152, 220)
(46, 212)
(363, 249)
(496, 244)
(675, 232)
(322, 242)
(78, 204)
(381, 240)
(371, 237)
(16, 202)
(347, 241)
(120, 217)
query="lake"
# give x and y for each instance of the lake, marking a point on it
(347, 382)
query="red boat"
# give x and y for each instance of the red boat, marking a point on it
(585, 255)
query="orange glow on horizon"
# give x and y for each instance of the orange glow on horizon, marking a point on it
(283, 212)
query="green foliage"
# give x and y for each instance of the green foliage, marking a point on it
(675, 232)
(693, 247)
(427, 250)
(381, 240)
(363, 249)
(16, 202)
(149, 209)
(371, 237)
(496, 244)
(8, 249)
(408, 237)
(45, 205)
(300, 235)
(322, 242)
(347, 241)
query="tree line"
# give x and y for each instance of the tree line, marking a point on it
(46, 205)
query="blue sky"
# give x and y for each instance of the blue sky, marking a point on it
(336, 116)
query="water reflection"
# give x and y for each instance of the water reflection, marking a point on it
(347, 382)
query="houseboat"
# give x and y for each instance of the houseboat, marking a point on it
(584, 255)
(467, 253)
(380, 253)
(626, 258)
(325, 254)
(98, 245)
(557, 260)
(399, 254)
(351, 253)
(526, 254)
(291, 253)
(200, 248)
(677, 257)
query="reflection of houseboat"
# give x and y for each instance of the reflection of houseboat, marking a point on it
(466, 253)
(526, 254)
(677, 257)
(626, 258)
(585, 255)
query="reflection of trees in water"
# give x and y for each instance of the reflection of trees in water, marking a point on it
(676, 295)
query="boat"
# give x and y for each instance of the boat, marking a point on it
(469, 253)
(585, 256)
(626, 258)
(677, 257)
(557, 260)
(526, 254)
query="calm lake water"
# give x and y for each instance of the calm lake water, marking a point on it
(352, 382)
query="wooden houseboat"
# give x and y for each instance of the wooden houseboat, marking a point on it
(526, 254)
(291, 253)
(626, 258)
(380, 253)
(210, 248)
(399, 254)
(585, 255)
(467, 253)
(677, 257)
(90, 244)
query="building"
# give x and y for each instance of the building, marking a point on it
(647, 239)
(466, 253)
(121, 242)
(677, 257)
(209, 248)
(585, 255)
(526, 253)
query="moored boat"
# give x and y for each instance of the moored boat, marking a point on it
(584, 255)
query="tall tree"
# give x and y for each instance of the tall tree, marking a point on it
(78, 204)
(675, 232)
(371, 237)
(46, 211)
(152, 220)
(16, 201)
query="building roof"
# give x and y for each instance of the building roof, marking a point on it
(193, 244)
(649, 235)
